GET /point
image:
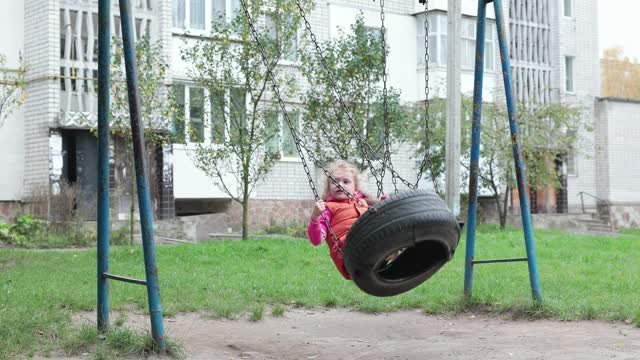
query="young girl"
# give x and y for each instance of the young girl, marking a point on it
(338, 211)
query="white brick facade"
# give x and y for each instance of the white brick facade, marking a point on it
(575, 36)
(12, 132)
(618, 151)
(41, 52)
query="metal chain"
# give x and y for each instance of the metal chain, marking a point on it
(426, 161)
(300, 145)
(367, 150)
(385, 103)
(362, 142)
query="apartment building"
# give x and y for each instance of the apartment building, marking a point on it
(48, 141)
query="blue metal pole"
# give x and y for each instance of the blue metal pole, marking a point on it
(517, 155)
(475, 148)
(144, 201)
(104, 84)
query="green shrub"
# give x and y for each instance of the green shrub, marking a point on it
(120, 236)
(23, 231)
(30, 232)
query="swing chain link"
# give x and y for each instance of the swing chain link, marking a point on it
(368, 152)
(427, 161)
(300, 145)
(362, 142)
(387, 123)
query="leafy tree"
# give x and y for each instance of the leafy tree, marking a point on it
(238, 145)
(12, 86)
(355, 70)
(620, 75)
(546, 132)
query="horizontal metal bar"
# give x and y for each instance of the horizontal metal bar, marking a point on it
(124, 278)
(497, 261)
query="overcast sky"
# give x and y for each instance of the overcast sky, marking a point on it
(619, 25)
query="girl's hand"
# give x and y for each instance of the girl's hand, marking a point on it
(317, 210)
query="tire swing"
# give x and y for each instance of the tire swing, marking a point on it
(403, 240)
(400, 242)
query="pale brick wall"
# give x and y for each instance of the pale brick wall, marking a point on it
(602, 153)
(287, 181)
(11, 132)
(578, 37)
(41, 53)
(618, 151)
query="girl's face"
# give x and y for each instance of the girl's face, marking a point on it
(346, 180)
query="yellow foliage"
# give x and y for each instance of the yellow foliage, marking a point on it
(620, 75)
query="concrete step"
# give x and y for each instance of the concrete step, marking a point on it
(602, 226)
(592, 221)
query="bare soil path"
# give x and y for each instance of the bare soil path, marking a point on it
(343, 334)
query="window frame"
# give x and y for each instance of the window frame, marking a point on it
(283, 60)
(440, 33)
(208, 16)
(284, 127)
(569, 74)
(572, 164)
(571, 9)
(207, 114)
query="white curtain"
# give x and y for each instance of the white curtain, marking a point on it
(196, 14)
(178, 13)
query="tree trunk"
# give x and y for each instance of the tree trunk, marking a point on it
(132, 207)
(503, 212)
(245, 203)
(499, 207)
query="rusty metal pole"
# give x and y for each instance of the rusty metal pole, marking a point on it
(104, 85)
(144, 199)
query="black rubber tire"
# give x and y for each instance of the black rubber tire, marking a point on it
(417, 221)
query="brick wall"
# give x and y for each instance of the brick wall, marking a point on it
(267, 212)
(578, 38)
(618, 151)
(41, 53)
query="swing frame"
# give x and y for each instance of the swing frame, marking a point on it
(151, 271)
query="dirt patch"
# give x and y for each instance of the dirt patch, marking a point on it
(7, 264)
(342, 334)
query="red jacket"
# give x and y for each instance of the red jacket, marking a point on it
(340, 214)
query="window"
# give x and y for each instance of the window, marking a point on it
(272, 123)
(290, 51)
(201, 115)
(178, 117)
(237, 110)
(178, 14)
(282, 141)
(468, 44)
(217, 106)
(571, 164)
(568, 8)
(196, 115)
(438, 42)
(288, 144)
(490, 42)
(437, 39)
(219, 11)
(468, 48)
(569, 72)
(198, 14)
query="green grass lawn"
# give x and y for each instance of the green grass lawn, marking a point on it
(582, 277)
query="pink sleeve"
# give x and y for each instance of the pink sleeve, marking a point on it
(317, 231)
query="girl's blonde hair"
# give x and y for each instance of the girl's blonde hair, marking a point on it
(346, 167)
